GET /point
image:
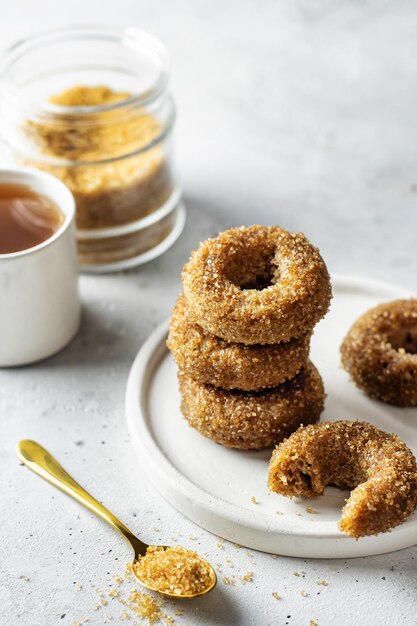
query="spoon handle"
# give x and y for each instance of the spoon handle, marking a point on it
(36, 458)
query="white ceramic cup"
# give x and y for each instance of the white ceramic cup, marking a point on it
(39, 299)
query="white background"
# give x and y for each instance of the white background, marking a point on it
(296, 113)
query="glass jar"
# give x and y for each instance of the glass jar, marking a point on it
(92, 107)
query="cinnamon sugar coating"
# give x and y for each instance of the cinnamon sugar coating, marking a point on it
(212, 360)
(377, 466)
(257, 285)
(380, 352)
(250, 420)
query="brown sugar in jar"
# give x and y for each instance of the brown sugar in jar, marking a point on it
(110, 188)
(109, 144)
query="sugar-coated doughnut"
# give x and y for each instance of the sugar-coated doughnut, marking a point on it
(257, 285)
(380, 352)
(212, 360)
(378, 466)
(239, 419)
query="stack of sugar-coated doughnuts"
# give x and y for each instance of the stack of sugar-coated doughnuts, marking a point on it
(240, 335)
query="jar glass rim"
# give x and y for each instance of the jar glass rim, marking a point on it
(129, 37)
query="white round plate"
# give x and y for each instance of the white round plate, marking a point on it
(214, 486)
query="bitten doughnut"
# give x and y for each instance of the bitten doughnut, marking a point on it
(378, 466)
(239, 419)
(380, 352)
(257, 284)
(209, 359)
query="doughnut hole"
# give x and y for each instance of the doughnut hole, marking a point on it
(252, 267)
(404, 338)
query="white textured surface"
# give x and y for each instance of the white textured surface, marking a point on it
(298, 113)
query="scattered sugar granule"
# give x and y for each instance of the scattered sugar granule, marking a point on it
(113, 593)
(274, 556)
(304, 594)
(310, 510)
(322, 583)
(298, 513)
(254, 500)
(145, 606)
(129, 572)
(155, 529)
(313, 622)
(118, 579)
(248, 577)
(237, 545)
(125, 616)
(279, 513)
(296, 574)
(276, 595)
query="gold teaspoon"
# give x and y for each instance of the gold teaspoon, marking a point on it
(36, 458)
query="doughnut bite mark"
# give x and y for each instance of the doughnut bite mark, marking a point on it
(377, 466)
